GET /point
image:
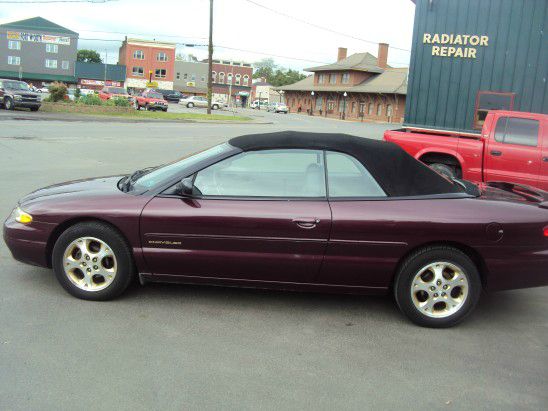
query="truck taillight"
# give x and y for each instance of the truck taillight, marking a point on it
(546, 231)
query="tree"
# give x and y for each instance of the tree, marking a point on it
(264, 68)
(88, 56)
(284, 77)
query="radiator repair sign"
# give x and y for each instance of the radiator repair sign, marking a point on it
(455, 45)
(38, 38)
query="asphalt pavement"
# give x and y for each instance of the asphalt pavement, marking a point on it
(169, 347)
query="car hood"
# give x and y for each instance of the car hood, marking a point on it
(23, 93)
(85, 187)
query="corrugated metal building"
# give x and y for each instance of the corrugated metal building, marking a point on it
(469, 56)
(97, 75)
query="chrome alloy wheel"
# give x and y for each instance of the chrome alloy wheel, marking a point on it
(89, 263)
(439, 289)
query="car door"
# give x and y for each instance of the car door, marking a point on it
(513, 151)
(364, 244)
(260, 215)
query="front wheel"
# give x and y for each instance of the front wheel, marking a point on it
(92, 261)
(215, 107)
(437, 286)
(34, 108)
(137, 106)
(190, 105)
(8, 103)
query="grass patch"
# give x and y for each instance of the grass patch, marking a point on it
(160, 115)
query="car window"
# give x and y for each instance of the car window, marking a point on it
(267, 173)
(347, 177)
(513, 130)
(168, 171)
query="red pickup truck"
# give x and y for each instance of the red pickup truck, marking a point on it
(512, 147)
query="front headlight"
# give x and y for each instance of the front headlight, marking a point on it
(21, 216)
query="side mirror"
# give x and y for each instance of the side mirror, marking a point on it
(186, 186)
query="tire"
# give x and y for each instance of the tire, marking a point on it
(190, 105)
(34, 108)
(215, 107)
(8, 103)
(137, 106)
(164, 110)
(444, 170)
(94, 286)
(147, 107)
(443, 307)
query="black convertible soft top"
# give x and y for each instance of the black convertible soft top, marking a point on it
(398, 173)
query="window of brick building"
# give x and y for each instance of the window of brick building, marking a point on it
(333, 78)
(389, 110)
(238, 77)
(139, 55)
(330, 105)
(161, 56)
(229, 78)
(379, 110)
(160, 73)
(214, 76)
(52, 64)
(362, 108)
(52, 48)
(221, 77)
(138, 71)
(370, 109)
(246, 80)
(321, 78)
(353, 109)
(14, 60)
(345, 78)
(14, 45)
(319, 103)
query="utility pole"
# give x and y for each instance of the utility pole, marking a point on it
(210, 60)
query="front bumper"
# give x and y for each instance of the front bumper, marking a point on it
(28, 242)
(26, 104)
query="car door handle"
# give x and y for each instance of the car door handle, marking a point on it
(306, 222)
(496, 153)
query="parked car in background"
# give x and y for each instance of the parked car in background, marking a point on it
(259, 105)
(15, 93)
(150, 100)
(41, 89)
(199, 101)
(71, 94)
(109, 92)
(278, 108)
(170, 95)
(512, 147)
(295, 211)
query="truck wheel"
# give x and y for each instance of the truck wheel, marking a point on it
(444, 170)
(34, 108)
(147, 107)
(190, 105)
(8, 103)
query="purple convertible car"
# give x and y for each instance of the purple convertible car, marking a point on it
(297, 211)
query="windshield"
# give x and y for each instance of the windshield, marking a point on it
(153, 94)
(165, 172)
(117, 90)
(16, 85)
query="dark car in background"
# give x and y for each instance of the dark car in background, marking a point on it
(15, 93)
(172, 96)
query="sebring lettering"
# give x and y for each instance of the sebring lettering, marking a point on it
(455, 45)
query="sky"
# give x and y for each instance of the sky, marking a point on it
(243, 29)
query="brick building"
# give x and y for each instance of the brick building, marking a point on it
(148, 61)
(232, 81)
(358, 87)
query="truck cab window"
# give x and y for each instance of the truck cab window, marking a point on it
(513, 130)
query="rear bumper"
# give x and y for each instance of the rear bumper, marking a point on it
(516, 267)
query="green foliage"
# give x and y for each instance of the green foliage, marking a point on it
(120, 102)
(77, 93)
(57, 92)
(88, 56)
(90, 100)
(274, 75)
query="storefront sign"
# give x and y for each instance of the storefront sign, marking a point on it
(38, 38)
(455, 45)
(109, 83)
(152, 84)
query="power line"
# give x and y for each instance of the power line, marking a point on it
(318, 26)
(54, 1)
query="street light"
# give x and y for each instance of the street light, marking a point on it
(344, 105)
(311, 103)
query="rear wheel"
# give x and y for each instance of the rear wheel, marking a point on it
(444, 170)
(437, 287)
(190, 105)
(215, 107)
(137, 106)
(92, 261)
